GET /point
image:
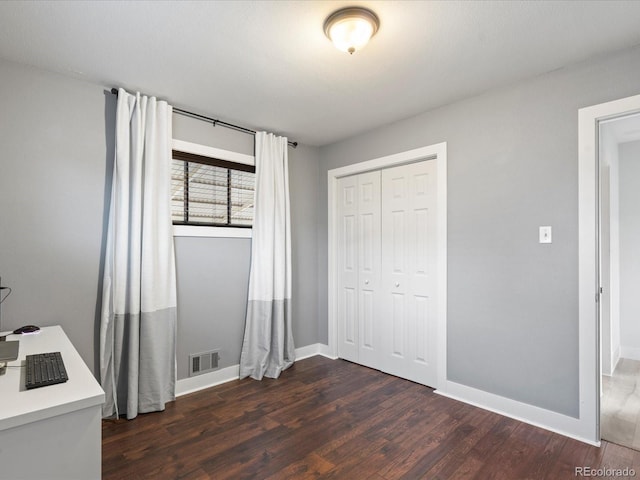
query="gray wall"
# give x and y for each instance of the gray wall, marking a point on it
(213, 278)
(54, 168)
(512, 166)
(629, 165)
(56, 135)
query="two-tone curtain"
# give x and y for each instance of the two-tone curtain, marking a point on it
(268, 347)
(138, 324)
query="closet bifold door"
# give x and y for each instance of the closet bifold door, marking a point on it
(359, 332)
(408, 277)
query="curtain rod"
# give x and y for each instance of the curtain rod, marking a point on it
(214, 121)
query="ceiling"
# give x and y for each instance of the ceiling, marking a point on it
(267, 64)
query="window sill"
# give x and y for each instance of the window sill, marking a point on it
(212, 232)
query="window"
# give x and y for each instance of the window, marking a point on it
(210, 191)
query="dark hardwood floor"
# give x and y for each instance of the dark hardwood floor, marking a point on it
(332, 419)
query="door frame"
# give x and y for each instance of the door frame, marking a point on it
(589, 119)
(437, 153)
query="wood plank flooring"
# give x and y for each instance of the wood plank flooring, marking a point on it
(332, 419)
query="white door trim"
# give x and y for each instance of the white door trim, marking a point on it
(588, 333)
(437, 153)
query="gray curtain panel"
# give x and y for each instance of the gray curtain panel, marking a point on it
(138, 325)
(268, 347)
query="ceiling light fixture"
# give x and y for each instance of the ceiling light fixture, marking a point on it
(351, 28)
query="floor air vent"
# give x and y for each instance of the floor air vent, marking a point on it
(200, 363)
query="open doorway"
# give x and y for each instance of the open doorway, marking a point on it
(590, 288)
(619, 275)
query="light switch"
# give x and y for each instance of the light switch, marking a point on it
(545, 234)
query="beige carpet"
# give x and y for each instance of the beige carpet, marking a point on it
(620, 405)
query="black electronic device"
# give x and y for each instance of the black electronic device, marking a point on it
(26, 329)
(44, 369)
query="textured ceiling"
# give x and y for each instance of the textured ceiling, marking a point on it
(268, 65)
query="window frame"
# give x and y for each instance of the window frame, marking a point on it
(225, 159)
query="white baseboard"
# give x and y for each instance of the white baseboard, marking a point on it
(616, 359)
(206, 380)
(325, 351)
(632, 353)
(211, 379)
(536, 416)
(306, 352)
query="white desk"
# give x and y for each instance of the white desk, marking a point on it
(52, 432)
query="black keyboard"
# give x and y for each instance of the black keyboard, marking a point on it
(45, 369)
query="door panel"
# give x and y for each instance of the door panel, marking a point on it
(350, 309)
(408, 286)
(348, 269)
(368, 319)
(369, 266)
(359, 267)
(398, 319)
(422, 329)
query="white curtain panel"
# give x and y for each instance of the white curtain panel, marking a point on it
(138, 325)
(268, 348)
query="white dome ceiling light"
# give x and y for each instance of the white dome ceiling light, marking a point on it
(351, 28)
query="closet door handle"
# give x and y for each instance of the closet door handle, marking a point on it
(397, 284)
(366, 282)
